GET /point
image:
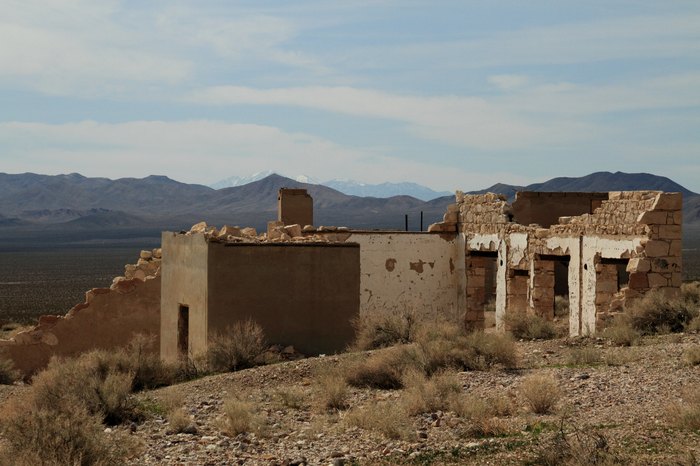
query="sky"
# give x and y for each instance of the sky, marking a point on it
(448, 94)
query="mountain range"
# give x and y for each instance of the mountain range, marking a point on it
(350, 187)
(67, 208)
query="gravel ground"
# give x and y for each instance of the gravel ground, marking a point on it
(622, 407)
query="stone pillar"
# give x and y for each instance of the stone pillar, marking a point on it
(476, 291)
(542, 289)
(295, 206)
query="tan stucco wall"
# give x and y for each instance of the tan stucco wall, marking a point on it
(304, 295)
(421, 272)
(184, 282)
(109, 319)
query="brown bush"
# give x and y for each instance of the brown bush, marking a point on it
(238, 347)
(561, 306)
(428, 395)
(383, 329)
(541, 393)
(621, 332)
(685, 413)
(385, 418)
(241, 416)
(331, 391)
(530, 326)
(691, 356)
(482, 414)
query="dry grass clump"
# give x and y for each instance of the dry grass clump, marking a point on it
(58, 435)
(384, 369)
(541, 393)
(8, 374)
(331, 391)
(428, 395)
(655, 313)
(173, 405)
(621, 332)
(385, 418)
(530, 326)
(241, 416)
(685, 414)
(561, 306)
(384, 329)
(585, 356)
(291, 397)
(448, 346)
(691, 356)
(483, 414)
(238, 347)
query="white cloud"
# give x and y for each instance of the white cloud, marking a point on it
(205, 151)
(463, 121)
(508, 82)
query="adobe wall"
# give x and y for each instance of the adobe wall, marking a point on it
(184, 282)
(301, 294)
(109, 318)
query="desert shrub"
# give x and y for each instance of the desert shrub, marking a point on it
(530, 327)
(690, 292)
(58, 435)
(384, 369)
(331, 391)
(570, 446)
(382, 329)
(447, 346)
(691, 356)
(178, 421)
(8, 374)
(89, 380)
(561, 306)
(655, 313)
(541, 393)
(239, 416)
(621, 332)
(385, 418)
(238, 347)
(693, 325)
(143, 361)
(428, 395)
(291, 397)
(584, 356)
(685, 413)
(481, 413)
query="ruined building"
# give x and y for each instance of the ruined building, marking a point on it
(305, 284)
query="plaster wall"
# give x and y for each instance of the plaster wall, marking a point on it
(422, 272)
(184, 282)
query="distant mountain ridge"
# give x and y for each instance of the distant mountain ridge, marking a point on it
(32, 204)
(350, 187)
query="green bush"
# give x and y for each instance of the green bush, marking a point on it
(655, 313)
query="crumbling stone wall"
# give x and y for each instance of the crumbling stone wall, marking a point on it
(109, 318)
(641, 229)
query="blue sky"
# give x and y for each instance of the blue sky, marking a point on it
(449, 94)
